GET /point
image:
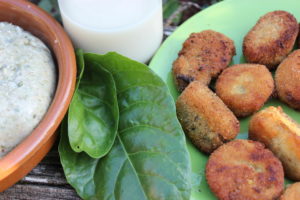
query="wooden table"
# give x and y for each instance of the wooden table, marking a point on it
(47, 180)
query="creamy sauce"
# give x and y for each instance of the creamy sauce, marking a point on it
(27, 84)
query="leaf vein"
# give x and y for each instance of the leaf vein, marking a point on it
(162, 178)
(115, 182)
(130, 162)
(100, 100)
(157, 152)
(140, 102)
(139, 85)
(146, 126)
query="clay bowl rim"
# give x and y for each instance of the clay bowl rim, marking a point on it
(63, 51)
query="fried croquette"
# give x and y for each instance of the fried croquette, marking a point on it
(287, 80)
(271, 39)
(281, 135)
(298, 37)
(244, 88)
(244, 170)
(205, 118)
(292, 192)
(203, 56)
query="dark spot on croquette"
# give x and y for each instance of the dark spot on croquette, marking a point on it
(224, 45)
(257, 190)
(291, 99)
(224, 60)
(272, 173)
(181, 53)
(256, 156)
(207, 51)
(222, 169)
(280, 44)
(184, 78)
(200, 68)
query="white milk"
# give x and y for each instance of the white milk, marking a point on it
(130, 27)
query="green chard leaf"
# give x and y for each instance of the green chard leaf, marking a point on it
(79, 168)
(149, 159)
(93, 112)
(169, 7)
(80, 65)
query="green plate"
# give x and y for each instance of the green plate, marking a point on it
(233, 18)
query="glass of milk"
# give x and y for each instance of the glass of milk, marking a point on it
(133, 28)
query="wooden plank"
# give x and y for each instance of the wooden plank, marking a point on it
(46, 181)
(38, 192)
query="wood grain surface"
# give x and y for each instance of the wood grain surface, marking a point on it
(45, 182)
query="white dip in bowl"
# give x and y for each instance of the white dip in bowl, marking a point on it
(27, 84)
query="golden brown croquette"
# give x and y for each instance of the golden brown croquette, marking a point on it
(203, 56)
(205, 118)
(244, 88)
(292, 192)
(271, 39)
(281, 135)
(287, 80)
(244, 170)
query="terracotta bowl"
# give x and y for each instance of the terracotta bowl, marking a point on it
(30, 152)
